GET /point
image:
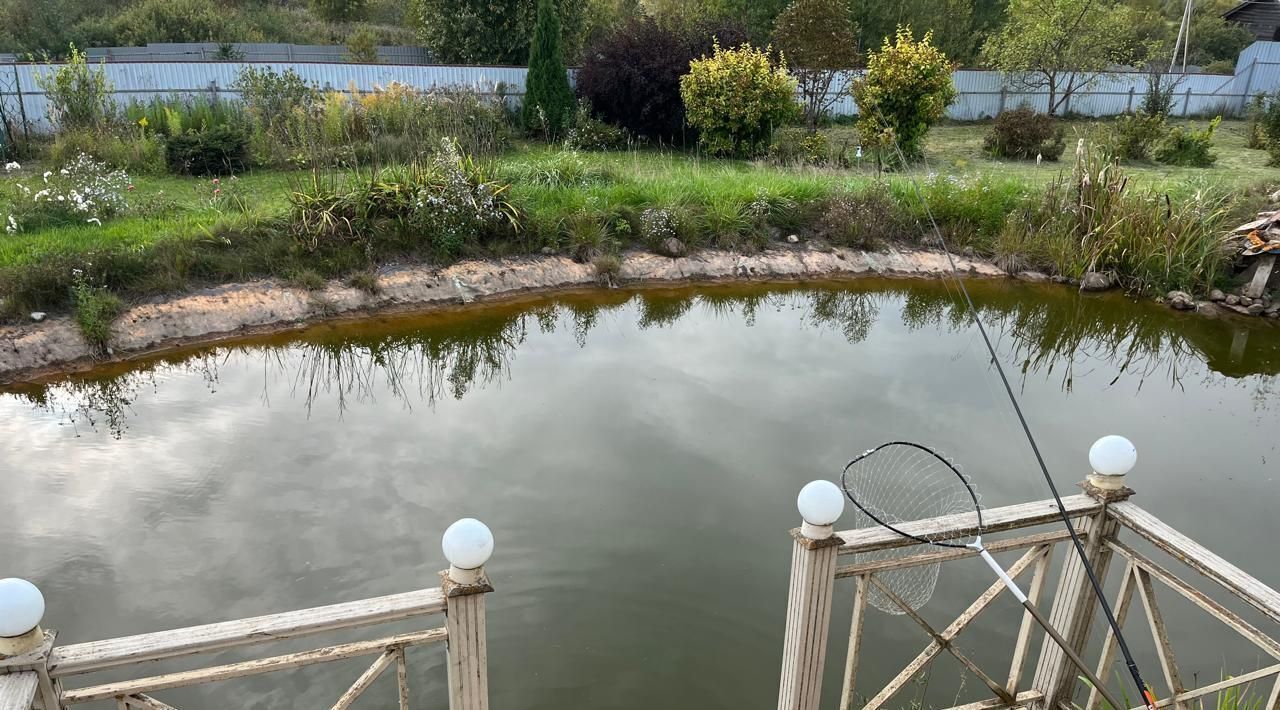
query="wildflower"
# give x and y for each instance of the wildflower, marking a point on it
(216, 191)
(12, 228)
(47, 173)
(142, 121)
(216, 181)
(11, 166)
(94, 220)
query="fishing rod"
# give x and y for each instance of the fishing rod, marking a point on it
(1098, 592)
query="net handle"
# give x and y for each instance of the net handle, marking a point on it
(977, 508)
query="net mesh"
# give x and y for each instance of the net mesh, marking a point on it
(899, 484)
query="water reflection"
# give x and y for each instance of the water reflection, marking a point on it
(1040, 330)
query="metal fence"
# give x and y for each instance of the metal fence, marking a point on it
(981, 93)
(250, 52)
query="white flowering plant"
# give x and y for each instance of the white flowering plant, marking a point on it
(83, 191)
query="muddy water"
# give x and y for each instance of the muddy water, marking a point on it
(637, 455)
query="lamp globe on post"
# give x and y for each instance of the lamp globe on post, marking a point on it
(820, 504)
(467, 544)
(1111, 457)
(21, 609)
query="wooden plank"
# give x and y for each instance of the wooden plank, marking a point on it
(112, 653)
(1199, 558)
(1273, 700)
(402, 678)
(366, 679)
(1160, 634)
(18, 690)
(1023, 643)
(250, 668)
(1221, 685)
(848, 695)
(146, 702)
(1024, 699)
(1124, 599)
(1201, 600)
(1010, 517)
(940, 556)
(467, 656)
(1264, 265)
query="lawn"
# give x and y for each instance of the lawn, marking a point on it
(183, 231)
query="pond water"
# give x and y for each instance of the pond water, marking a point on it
(637, 455)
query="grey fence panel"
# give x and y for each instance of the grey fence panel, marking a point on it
(981, 93)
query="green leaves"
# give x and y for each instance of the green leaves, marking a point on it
(735, 99)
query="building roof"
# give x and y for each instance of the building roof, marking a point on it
(1229, 14)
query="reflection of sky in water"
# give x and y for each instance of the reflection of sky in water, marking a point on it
(637, 458)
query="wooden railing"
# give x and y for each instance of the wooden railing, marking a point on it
(1100, 516)
(44, 675)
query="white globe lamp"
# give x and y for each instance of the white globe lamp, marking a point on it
(467, 544)
(820, 504)
(21, 609)
(1111, 457)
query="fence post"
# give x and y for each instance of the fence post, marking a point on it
(813, 576)
(1186, 102)
(1074, 603)
(1003, 93)
(24, 645)
(1129, 106)
(467, 545)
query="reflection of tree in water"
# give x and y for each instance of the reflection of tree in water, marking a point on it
(1043, 330)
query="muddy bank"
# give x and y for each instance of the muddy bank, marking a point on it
(223, 312)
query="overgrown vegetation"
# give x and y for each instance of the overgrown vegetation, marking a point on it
(735, 98)
(1023, 133)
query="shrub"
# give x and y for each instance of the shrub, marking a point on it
(1135, 135)
(362, 45)
(906, 89)
(1023, 133)
(735, 98)
(631, 75)
(819, 41)
(799, 146)
(548, 100)
(78, 96)
(1268, 124)
(277, 105)
(175, 21)
(1157, 98)
(218, 150)
(135, 152)
(1256, 115)
(864, 220)
(1188, 147)
(588, 133)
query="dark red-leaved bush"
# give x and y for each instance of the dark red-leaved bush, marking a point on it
(631, 76)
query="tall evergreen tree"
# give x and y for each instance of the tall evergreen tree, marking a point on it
(548, 100)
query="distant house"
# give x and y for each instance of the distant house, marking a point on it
(1261, 17)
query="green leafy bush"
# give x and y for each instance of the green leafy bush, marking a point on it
(586, 132)
(1023, 133)
(736, 98)
(339, 10)
(217, 150)
(278, 106)
(133, 151)
(1267, 122)
(362, 45)
(1135, 135)
(95, 309)
(799, 146)
(820, 41)
(1188, 147)
(78, 96)
(906, 89)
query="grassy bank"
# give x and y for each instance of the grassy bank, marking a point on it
(181, 232)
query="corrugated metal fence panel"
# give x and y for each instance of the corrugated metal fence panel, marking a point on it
(980, 94)
(252, 52)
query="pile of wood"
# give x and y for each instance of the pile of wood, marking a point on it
(1261, 236)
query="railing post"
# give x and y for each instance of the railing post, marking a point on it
(813, 576)
(467, 545)
(24, 645)
(1074, 603)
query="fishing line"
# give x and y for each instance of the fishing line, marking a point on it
(1026, 430)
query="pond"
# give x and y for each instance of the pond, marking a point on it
(637, 455)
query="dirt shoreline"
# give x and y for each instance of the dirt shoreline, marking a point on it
(220, 313)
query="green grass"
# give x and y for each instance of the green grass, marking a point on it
(587, 204)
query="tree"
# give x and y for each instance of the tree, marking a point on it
(955, 23)
(548, 100)
(631, 76)
(492, 31)
(1059, 46)
(735, 98)
(819, 42)
(906, 89)
(338, 10)
(362, 45)
(1214, 39)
